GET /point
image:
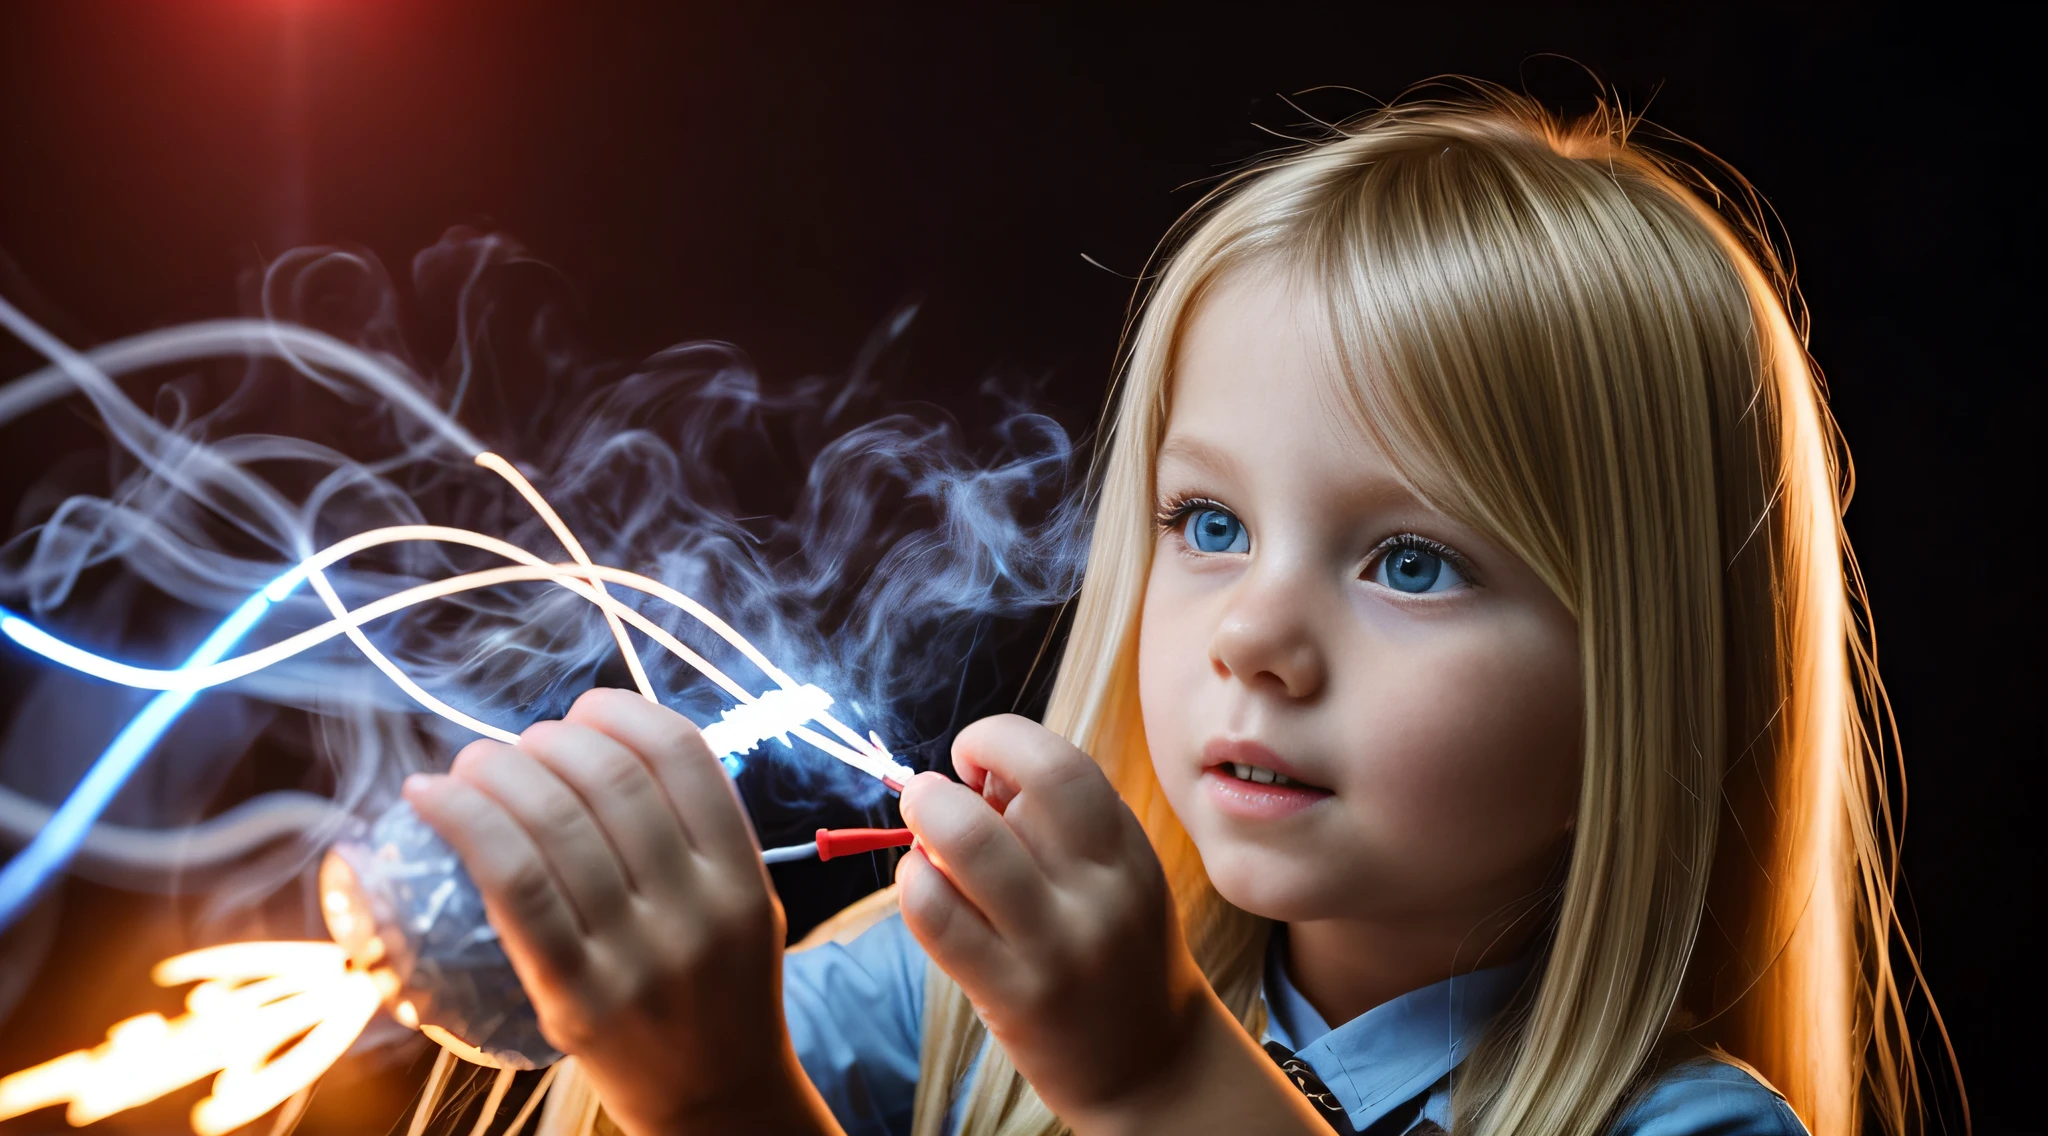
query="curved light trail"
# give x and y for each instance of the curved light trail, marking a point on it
(267, 1019)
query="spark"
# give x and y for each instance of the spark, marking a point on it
(240, 1022)
(774, 714)
(270, 1018)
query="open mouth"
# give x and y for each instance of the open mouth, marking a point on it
(1260, 775)
(1248, 780)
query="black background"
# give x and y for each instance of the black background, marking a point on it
(786, 177)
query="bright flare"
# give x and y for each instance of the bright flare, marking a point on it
(252, 999)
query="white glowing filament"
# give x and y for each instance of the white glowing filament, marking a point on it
(553, 520)
(774, 714)
(252, 999)
(863, 753)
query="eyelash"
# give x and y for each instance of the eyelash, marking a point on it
(1421, 543)
(1174, 511)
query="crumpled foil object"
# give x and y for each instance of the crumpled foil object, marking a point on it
(395, 895)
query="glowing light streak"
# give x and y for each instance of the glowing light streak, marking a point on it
(31, 870)
(418, 693)
(287, 1119)
(547, 1081)
(443, 1062)
(574, 547)
(500, 1085)
(444, 534)
(865, 754)
(703, 615)
(772, 715)
(399, 678)
(190, 677)
(252, 999)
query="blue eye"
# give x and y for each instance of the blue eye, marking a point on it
(1213, 530)
(1416, 568)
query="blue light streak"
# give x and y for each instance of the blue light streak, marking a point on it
(29, 874)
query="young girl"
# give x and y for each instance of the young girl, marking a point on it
(1462, 725)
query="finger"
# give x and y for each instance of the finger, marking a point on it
(674, 750)
(1069, 806)
(952, 932)
(1009, 754)
(559, 824)
(978, 852)
(521, 895)
(621, 792)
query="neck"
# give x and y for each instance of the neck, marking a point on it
(1345, 967)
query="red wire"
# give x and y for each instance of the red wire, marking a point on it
(847, 841)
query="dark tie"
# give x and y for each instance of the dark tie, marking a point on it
(1401, 1120)
(1312, 1087)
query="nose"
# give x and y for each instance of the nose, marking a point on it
(1268, 638)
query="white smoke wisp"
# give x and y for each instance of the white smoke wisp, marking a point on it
(866, 549)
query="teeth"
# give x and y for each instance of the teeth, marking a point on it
(1259, 775)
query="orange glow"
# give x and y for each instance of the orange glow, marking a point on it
(252, 1000)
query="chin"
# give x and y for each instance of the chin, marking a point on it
(1269, 883)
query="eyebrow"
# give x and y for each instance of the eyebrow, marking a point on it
(1198, 452)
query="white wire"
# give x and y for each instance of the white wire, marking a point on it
(859, 752)
(518, 481)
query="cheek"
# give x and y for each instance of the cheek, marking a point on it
(1173, 661)
(1470, 746)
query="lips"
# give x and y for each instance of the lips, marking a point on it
(1230, 755)
(1247, 780)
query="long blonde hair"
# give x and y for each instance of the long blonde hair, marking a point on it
(1593, 354)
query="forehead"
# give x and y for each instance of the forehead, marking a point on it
(1256, 384)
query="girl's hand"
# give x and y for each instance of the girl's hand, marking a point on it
(622, 877)
(1035, 888)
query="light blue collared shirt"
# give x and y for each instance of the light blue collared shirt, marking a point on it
(856, 1016)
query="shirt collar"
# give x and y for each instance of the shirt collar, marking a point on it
(1396, 1050)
